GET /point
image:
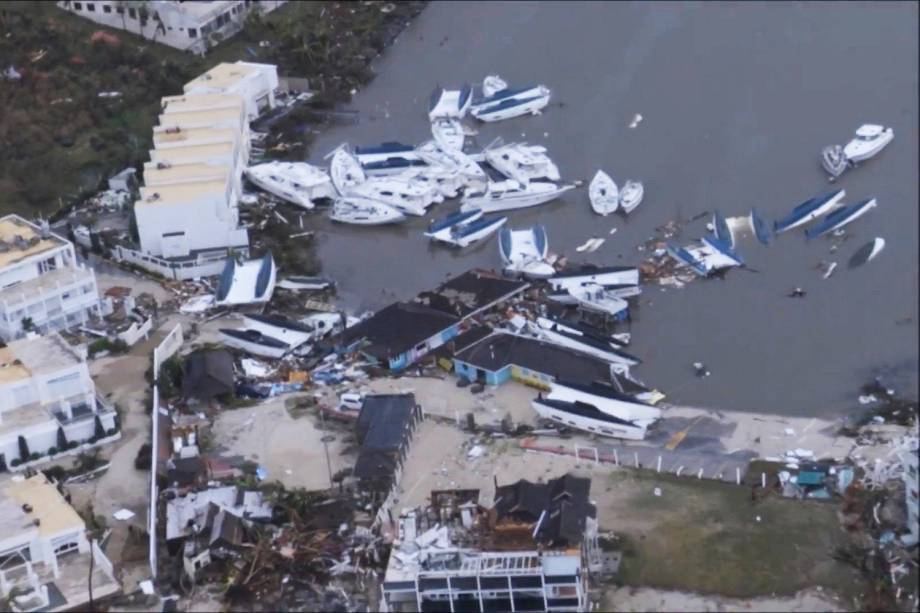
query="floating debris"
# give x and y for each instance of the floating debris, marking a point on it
(636, 120)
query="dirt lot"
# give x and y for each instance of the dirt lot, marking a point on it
(647, 599)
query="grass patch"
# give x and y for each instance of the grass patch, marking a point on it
(702, 536)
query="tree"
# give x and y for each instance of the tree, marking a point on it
(27, 324)
(23, 449)
(100, 431)
(61, 439)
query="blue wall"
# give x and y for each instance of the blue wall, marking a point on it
(468, 371)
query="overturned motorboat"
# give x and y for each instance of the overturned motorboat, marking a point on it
(280, 328)
(364, 212)
(508, 103)
(603, 194)
(388, 158)
(809, 210)
(834, 161)
(246, 282)
(631, 196)
(525, 251)
(841, 217)
(254, 342)
(449, 103)
(296, 182)
(867, 252)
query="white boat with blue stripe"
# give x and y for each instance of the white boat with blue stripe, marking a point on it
(508, 103)
(809, 210)
(840, 218)
(388, 158)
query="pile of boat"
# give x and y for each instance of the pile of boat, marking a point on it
(606, 197)
(275, 336)
(868, 142)
(597, 290)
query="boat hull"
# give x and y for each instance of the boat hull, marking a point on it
(510, 203)
(822, 205)
(841, 218)
(600, 427)
(251, 347)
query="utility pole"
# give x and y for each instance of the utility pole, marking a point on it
(324, 439)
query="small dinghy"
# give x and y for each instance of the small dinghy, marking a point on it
(254, 342)
(840, 218)
(449, 103)
(809, 210)
(760, 228)
(721, 230)
(306, 283)
(493, 84)
(869, 141)
(631, 196)
(867, 252)
(525, 251)
(364, 212)
(834, 160)
(508, 103)
(279, 328)
(448, 133)
(603, 194)
(345, 170)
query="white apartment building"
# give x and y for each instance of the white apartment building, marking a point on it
(254, 83)
(193, 26)
(911, 489)
(45, 385)
(43, 545)
(41, 281)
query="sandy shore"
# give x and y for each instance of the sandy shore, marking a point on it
(647, 599)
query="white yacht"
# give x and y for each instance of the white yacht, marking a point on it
(603, 194)
(448, 133)
(869, 141)
(345, 170)
(409, 198)
(296, 182)
(522, 162)
(508, 103)
(509, 194)
(364, 212)
(449, 103)
(525, 251)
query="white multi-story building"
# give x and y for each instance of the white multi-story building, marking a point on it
(191, 26)
(188, 216)
(45, 386)
(45, 556)
(42, 287)
(912, 489)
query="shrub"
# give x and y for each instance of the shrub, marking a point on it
(15, 462)
(34, 456)
(72, 445)
(93, 440)
(111, 431)
(52, 450)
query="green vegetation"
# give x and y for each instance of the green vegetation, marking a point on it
(59, 140)
(704, 536)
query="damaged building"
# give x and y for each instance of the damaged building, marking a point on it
(530, 551)
(384, 428)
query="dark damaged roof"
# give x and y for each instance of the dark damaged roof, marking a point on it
(500, 349)
(471, 292)
(396, 329)
(561, 506)
(207, 374)
(463, 340)
(383, 429)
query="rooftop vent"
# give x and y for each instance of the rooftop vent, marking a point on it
(173, 130)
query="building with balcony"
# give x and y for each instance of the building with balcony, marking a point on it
(189, 26)
(254, 83)
(48, 402)
(42, 286)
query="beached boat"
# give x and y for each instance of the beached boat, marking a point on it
(509, 103)
(809, 210)
(525, 251)
(608, 275)
(607, 400)
(254, 342)
(493, 84)
(279, 328)
(345, 170)
(631, 196)
(406, 196)
(721, 230)
(841, 217)
(449, 103)
(586, 417)
(603, 349)
(324, 324)
(603, 194)
(869, 141)
(594, 297)
(247, 282)
(295, 182)
(760, 228)
(834, 160)
(867, 252)
(510, 194)
(297, 283)
(522, 162)
(448, 133)
(364, 212)
(388, 158)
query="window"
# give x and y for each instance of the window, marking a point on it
(78, 6)
(132, 13)
(120, 10)
(192, 33)
(90, 7)
(87, 289)
(106, 8)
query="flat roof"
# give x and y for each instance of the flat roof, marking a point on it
(186, 102)
(223, 75)
(184, 173)
(10, 371)
(180, 193)
(205, 117)
(31, 243)
(191, 151)
(48, 505)
(176, 134)
(42, 354)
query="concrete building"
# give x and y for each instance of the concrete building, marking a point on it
(41, 282)
(912, 490)
(189, 26)
(44, 552)
(48, 402)
(254, 83)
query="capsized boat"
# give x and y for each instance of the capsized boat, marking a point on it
(468, 233)
(440, 228)
(604, 349)
(510, 194)
(867, 252)
(603, 194)
(760, 228)
(324, 324)
(631, 196)
(834, 160)
(869, 141)
(448, 133)
(723, 248)
(296, 182)
(246, 282)
(608, 400)
(721, 230)
(493, 84)
(522, 162)
(683, 256)
(525, 251)
(254, 342)
(449, 103)
(809, 210)
(364, 212)
(280, 328)
(841, 217)
(298, 283)
(345, 170)
(509, 103)
(586, 417)
(607, 275)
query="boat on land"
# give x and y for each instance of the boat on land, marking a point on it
(586, 417)
(841, 217)
(508, 103)
(296, 182)
(298, 283)
(247, 282)
(279, 328)
(525, 251)
(254, 342)
(603, 194)
(809, 210)
(607, 400)
(604, 349)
